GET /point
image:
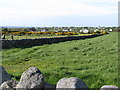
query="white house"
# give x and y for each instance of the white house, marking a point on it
(86, 31)
(110, 30)
(96, 30)
(44, 30)
(66, 30)
(102, 30)
(71, 29)
(81, 31)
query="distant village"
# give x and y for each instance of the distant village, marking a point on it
(10, 33)
(62, 29)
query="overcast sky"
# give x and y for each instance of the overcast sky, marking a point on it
(58, 12)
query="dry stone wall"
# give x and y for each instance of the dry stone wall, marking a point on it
(23, 43)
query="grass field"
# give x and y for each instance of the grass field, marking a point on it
(40, 36)
(93, 60)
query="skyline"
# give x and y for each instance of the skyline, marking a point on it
(59, 13)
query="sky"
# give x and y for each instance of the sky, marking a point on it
(43, 13)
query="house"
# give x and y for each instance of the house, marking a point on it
(110, 30)
(102, 30)
(44, 30)
(66, 30)
(81, 31)
(86, 31)
(96, 30)
(71, 29)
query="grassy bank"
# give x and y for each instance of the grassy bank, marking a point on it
(94, 60)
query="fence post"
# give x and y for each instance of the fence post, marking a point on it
(12, 37)
(3, 36)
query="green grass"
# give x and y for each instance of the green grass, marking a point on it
(32, 36)
(39, 36)
(93, 60)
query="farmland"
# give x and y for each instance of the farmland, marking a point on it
(94, 60)
(32, 35)
(48, 32)
(39, 36)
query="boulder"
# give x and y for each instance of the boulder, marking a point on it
(4, 76)
(10, 84)
(109, 87)
(30, 79)
(72, 82)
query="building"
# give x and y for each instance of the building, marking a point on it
(96, 30)
(86, 31)
(110, 30)
(66, 30)
(44, 30)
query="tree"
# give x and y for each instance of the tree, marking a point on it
(32, 29)
(5, 29)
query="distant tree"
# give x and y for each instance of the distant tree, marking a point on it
(86, 27)
(9, 30)
(5, 29)
(32, 29)
(25, 29)
(72, 27)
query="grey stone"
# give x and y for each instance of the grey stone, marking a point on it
(4, 76)
(72, 82)
(30, 79)
(109, 87)
(10, 84)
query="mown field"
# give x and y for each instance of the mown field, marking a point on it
(93, 60)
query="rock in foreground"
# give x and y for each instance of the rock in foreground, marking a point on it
(10, 84)
(32, 78)
(4, 76)
(109, 87)
(72, 82)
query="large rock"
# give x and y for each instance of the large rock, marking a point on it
(10, 84)
(4, 76)
(73, 82)
(109, 87)
(32, 78)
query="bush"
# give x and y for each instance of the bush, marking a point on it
(104, 32)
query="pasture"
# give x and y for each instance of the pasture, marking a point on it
(93, 60)
(39, 36)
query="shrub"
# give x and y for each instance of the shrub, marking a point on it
(104, 32)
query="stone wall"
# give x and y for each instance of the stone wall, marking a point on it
(24, 43)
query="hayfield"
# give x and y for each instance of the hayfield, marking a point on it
(93, 60)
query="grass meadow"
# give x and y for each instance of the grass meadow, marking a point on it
(93, 60)
(39, 36)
